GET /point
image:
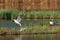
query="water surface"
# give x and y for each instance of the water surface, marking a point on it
(31, 37)
(10, 24)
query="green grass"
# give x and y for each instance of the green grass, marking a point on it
(7, 31)
(33, 14)
(30, 14)
(33, 29)
(41, 29)
(13, 13)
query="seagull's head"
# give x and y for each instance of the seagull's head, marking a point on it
(14, 20)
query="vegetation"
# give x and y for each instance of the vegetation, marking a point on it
(42, 29)
(4, 14)
(30, 14)
(32, 29)
(43, 26)
(42, 14)
(4, 31)
(14, 31)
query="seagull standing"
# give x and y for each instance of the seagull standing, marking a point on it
(51, 23)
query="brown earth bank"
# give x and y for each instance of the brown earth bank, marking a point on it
(23, 33)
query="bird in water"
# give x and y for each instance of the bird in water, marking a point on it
(52, 22)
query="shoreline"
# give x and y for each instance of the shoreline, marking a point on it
(30, 33)
(33, 18)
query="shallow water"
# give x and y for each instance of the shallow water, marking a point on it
(31, 37)
(10, 24)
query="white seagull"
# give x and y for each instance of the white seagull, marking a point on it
(18, 20)
(52, 22)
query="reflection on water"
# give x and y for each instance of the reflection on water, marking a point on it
(41, 37)
(32, 37)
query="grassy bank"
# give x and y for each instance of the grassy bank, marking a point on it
(4, 31)
(32, 29)
(42, 29)
(30, 14)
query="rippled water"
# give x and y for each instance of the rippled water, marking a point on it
(31, 37)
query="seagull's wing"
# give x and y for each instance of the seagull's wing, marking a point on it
(18, 18)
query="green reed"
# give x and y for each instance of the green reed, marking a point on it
(30, 14)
